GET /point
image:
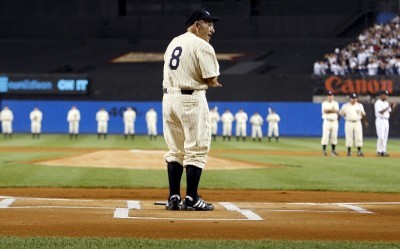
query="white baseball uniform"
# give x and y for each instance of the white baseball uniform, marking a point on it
(227, 118)
(102, 118)
(6, 118)
(382, 124)
(151, 119)
(214, 118)
(36, 117)
(256, 121)
(241, 123)
(129, 118)
(330, 125)
(189, 60)
(73, 118)
(353, 114)
(273, 127)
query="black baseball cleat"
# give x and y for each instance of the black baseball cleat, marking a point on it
(173, 203)
(189, 204)
(360, 153)
(334, 153)
(384, 154)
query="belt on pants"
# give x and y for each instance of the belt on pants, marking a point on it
(183, 91)
(353, 121)
(331, 120)
(383, 118)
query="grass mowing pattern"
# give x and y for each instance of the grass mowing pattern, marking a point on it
(116, 243)
(295, 172)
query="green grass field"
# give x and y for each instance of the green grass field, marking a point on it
(369, 174)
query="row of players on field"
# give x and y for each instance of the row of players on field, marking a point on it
(129, 118)
(354, 114)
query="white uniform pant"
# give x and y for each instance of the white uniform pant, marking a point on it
(227, 129)
(152, 128)
(354, 133)
(73, 127)
(241, 130)
(6, 126)
(329, 132)
(256, 131)
(187, 128)
(36, 127)
(102, 127)
(214, 128)
(273, 128)
(129, 128)
(382, 130)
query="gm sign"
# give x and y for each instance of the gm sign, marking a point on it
(78, 85)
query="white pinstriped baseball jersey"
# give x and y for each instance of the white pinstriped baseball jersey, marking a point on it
(188, 61)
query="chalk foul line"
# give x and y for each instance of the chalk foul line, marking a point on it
(250, 215)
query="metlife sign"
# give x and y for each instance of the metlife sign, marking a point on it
(52, 84)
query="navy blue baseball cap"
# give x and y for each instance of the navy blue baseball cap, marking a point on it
(199, 14)
(330, 93)
(385, 92)
(353, 96)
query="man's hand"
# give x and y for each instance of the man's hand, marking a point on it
(213, 82)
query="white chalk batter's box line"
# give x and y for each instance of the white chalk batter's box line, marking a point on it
(123, 212)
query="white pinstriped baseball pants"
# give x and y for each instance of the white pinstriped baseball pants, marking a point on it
(187, 128)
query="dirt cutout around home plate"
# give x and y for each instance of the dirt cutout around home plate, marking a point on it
(141, 159)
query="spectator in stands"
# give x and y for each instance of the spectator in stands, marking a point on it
(374, 53)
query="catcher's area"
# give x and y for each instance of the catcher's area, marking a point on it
(238, 214)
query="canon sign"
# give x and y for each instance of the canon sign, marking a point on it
(343, 85)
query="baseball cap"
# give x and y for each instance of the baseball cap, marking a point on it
(199, 14)
(353, 96)
(385, 92)
(329, 93)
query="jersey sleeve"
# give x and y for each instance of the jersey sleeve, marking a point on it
(208, 61)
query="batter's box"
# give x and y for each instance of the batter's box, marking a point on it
(148, 211)
(304, 207)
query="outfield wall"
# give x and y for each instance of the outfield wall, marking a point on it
(297, 119)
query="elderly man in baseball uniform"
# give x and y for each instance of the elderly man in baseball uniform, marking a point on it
(330, 126)
(214, 119)
(129, 118)
(227, 119)
(382, 113)
(273, 120)
(6, 118)
(354, 114)
(36, 117)
(151, 119)
(190, 67)
(256, 122)
(102, 118)
(73, 118)
(241, 124)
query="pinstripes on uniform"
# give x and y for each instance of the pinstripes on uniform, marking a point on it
(186, 122)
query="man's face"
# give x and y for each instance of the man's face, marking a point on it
(353, 101)
(205, 29)
(384, 97)
(330, 98)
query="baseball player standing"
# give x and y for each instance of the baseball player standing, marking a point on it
(151, 119)
(354, 114)
(73, 118)
(330, 126)
(214, 118)
(129, 118)
(102, 118)
(382, 113)
(190, 67)
(241, 124)
(256, 122)
(227, 118)
(273, 128)
(6, 118)
(36, 117)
